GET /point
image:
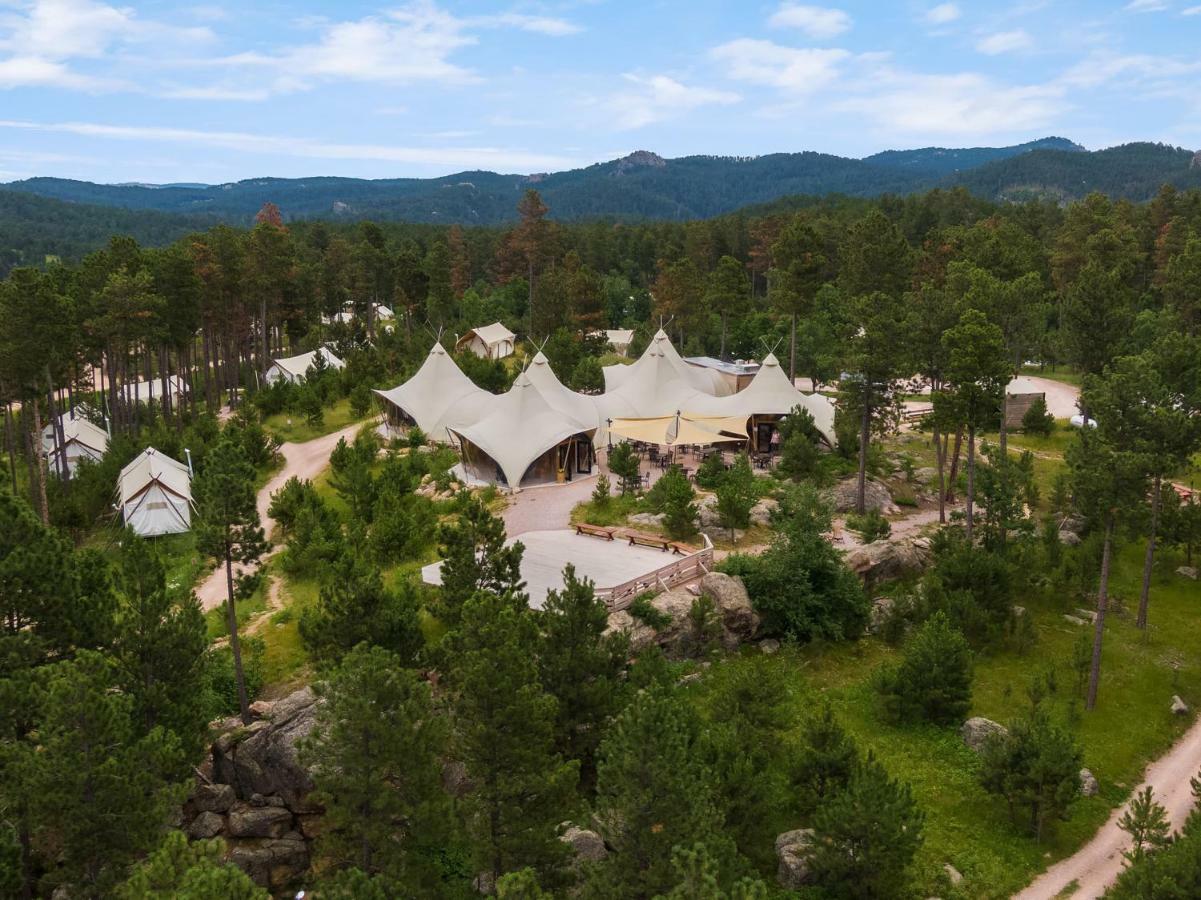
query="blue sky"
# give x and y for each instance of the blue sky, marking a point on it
(218, 91)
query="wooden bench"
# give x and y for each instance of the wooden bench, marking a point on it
(682, 549)
(642, 539)
(594, 530)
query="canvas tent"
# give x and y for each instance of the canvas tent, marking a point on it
(580, 407)
(523, 440)
(294, 369)
(620, 339)
(439, 396)
(50, 433)
(156, 494)
(81, 440)
(661, 373)
(488, 341)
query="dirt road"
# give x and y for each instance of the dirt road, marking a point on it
(1061, 397)
(1096, 865)
(305, 460)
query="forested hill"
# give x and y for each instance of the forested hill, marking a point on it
(646, 186)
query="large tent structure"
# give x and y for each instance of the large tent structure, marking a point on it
(581, 407)
(664, 372)
(155, 493)
(81, 440)
(439, 396)
(620, 339)
(523, 440)
(488, 341)
(295, 369)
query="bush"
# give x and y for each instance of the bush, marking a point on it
(624, 463)
(587, 377)
(933, 683)
(679, 506)
(871, 526)
(360, 400)
(223, 686)
(736, 495)
(800, 457)
(1036, 419)
(711, 472)
(642, 610)
(973, 586)
(601, 498)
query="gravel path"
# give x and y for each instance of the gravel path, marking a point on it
(1096, 865)
(1061, 397)
(305, 460)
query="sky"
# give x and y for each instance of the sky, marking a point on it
(220, 91)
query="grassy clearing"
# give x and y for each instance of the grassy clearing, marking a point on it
(247, 609)
(292, 428)
(1066, 374)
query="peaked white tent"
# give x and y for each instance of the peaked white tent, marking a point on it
(580, 407)
(658, 369)
(295, 368)
(620, 339)
(437, 397)
(156, 494)
(50, 433)
(81, 440)
(770, 394)
(524, 440)
(488, 341)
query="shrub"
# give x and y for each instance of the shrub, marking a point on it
(704, 626)
(587, 377)
(679, 506)
(736, 495)
(871, 526)
(222, 684)
(1036, 419)
(601, 497)
(624, 463)
(800, 457)
(360, 400)
(711, 472)
(933, 683)
(642, 610)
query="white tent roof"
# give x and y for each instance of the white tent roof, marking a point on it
(581, 407)
(491, 335)
(150, 467)
(85, 433)
(298, 366)
(658, 366)
(619, 337)
(520, 428)
(439, 395)
(769, 394)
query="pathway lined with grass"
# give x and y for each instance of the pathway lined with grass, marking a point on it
(304, 461)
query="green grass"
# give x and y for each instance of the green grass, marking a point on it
(615, 512)
(1066, 374)
(247, 609)
(292, 428)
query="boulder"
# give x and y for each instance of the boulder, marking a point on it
(1069, 538)
(769, 646)
(706, 512)
(881, 609)
(720, 533)
(844, 496)
(676, 605)
(1088, 784)
(889, 559)
(739, 621)
(926, 475)
(216, 798)
(977, 730)
(792, 854)
(1179, 707)
(456, 780)
(206, 825)
(1188, 572)
(484, 883)
(586, 845)
(640, 634)
(1088, 615)
(762, 511)
(273, 863)
(262, 758)
(1074, 620)
(246, 821)
(647, 519)
(953, 874)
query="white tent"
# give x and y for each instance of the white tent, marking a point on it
(488, 341)
(620, 339)
(81, 440)
(146, 391)
(295, 368)
(525, 440)
(580, 407)
(50, 434)
(659, 370)
(770, 393)
(437, 397)
(156, 494)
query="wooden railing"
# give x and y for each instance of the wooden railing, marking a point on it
(684, 568)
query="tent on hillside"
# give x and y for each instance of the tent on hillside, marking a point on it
(156, 494)
(437, 397)
(525, 441)
(295, 369)
(80, 411)
(488, 341)
(768, 397)
(81, 440)
(620, 339)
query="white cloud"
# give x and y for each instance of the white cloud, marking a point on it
(1004, 42)
(819, 23)
(658, 97)
(943, 14)
(551, 27)
(442, 158)
(1191, 11)
(1135, 69)
(1144, 6)
(792, 68)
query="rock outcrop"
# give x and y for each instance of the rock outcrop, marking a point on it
(977, 730)
(1088, 784)
(792, 854)
(844, 496)
(1188, 572)
(586, 845)
(889, 559)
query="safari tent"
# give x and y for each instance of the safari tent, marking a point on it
(488, 341)
(81, 440)
(437, 397)
(294, 369)
(620, 339)
(155, 493)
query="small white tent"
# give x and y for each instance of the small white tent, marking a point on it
(488, 341)
(437, 397)
(156, 494)
(525, 441)
(620, 339)
(295, 368)
(81, 440)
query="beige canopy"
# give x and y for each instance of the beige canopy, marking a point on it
(296, 368)
(439, 396)
(681, 429)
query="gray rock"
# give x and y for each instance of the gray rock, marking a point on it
(792, 854)
(889, 559)
(484, 883)
(706, 512)
(762, 511)
(926, 475)
(206, 825)
(1179, 707)
(1019, 611)
(769, 646)
(1074, 620)
(646, 519)
(1088, 784)
(977, 730)
(739, 621)
(640, 634)
(844, 496)
(246, 821)
(952, 873)
(216, 798)
(1088, 615)
(881, 610)
(588, 846)
(721, 533)
(272, 864)
(455, 779)
(1188, 572)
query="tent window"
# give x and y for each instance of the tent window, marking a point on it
(157, 504)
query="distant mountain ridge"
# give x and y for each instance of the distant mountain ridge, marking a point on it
(644, 185)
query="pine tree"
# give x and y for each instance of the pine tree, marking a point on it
(698, 878)
(679, 503)
(376, 753)
(227, 530)
(521, 885)
(933, 683)
(1147, 824)
(183, 870)
(824, 761)
(624, 463)
(736, 495)
(866, 835)
(475, 558)
(654, 792)
(505, 735)
(798, 267)
(580, 664)
(727, 292)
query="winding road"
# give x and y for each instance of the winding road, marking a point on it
(303, 461)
